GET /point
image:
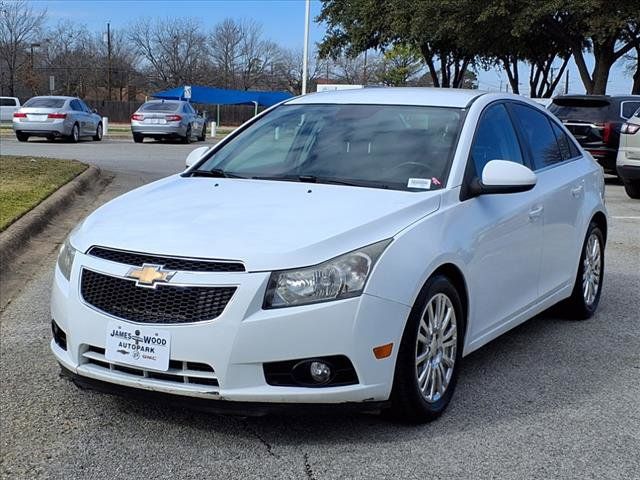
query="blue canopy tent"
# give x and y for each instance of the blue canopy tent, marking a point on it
(221, 96)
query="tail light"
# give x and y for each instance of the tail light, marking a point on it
(57, 115)
(629, 128)
(607, 132)
(137, 117)
(19, 115)
(172, 118)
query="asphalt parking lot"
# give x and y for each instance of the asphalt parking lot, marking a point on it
(153, 159)
(551, 399)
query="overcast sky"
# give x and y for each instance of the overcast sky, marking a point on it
(282, 21)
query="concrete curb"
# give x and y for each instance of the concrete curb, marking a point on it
(16, 237)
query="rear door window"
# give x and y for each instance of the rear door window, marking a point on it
(537, 131)
(75, 105)
(7, 102)
(495, 139)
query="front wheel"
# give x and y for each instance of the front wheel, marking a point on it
(203, 134)
(632, 187)
(585, 296)
(98, 136)
(430, 353)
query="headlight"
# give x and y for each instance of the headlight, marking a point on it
(342, 277)
(65, 258)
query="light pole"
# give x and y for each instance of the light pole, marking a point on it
(305, 60)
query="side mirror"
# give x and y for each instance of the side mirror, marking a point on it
(94, 110)
(503, 176)
(195, 155)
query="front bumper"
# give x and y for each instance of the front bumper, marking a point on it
(244, 337)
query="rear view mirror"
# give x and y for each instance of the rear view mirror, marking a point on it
(195, 155)
(504, 176)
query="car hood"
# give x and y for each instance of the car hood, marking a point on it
(268, 225)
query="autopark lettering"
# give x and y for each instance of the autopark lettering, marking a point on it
(135, 346)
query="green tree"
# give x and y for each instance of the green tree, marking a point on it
(400, 64)
(439, 30)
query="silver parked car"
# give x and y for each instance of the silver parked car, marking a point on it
(168, 119)
(55, 117)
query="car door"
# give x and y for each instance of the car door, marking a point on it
(504, 260)
(78, 115)
(561, 180)
(91, 122)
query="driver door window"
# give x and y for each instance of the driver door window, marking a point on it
(495, 139)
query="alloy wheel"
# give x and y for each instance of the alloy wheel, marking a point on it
(436, 347)
(592, 266)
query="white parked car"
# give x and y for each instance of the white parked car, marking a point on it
(628, 161)
(8, 105)
(345, 247)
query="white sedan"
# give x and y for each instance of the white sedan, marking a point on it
(343, 248)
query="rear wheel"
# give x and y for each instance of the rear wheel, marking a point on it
(187, 136)
(632, 187)
(75, 134)
(22, 137)
(98, 136)
(585, 297)
(138, 138)
(430, 352)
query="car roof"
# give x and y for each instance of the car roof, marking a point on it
(597, 97)
(60, 97)
(164, 100)
(443, 97)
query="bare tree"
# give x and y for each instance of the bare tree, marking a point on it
(20, 25)
(174, 50)
(288, 71)
(225, 43)
(69, 55)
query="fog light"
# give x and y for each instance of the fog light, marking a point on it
(320, 372)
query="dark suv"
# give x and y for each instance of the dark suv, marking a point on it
(595, 121)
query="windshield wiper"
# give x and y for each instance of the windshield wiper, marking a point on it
(328, 180)
(214, 173)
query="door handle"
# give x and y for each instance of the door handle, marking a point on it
(577, 191)
(535, 212)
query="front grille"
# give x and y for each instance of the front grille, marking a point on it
(179, 371)
(169, 263)
(164, 304)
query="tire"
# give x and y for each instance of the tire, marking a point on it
(98, 136)
(187, 136)
(408, 402)
(138, 138)
(22, 137)
(632, 187)
(203, 136)
(75, 134)
(581, 305)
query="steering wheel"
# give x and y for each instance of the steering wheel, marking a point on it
(406, 164)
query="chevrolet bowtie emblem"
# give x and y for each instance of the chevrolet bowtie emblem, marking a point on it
(148, 275)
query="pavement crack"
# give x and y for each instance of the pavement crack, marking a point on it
(260, 438)
(307, 467)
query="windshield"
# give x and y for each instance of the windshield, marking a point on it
(160, 107)
(45, 102)
(386, 146)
